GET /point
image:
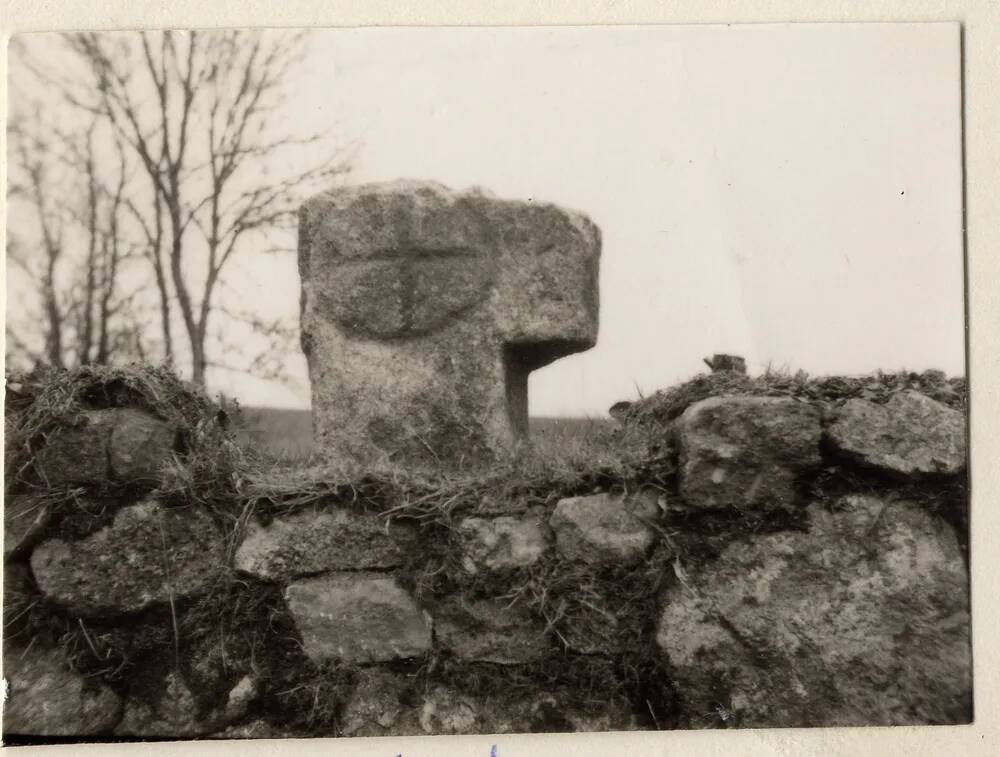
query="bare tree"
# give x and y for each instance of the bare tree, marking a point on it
(33, 186)
(204, 139)
(75, 265)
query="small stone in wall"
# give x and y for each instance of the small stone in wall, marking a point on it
(77, 453)
(373, 708)
(746, 452)
(909, 435)
(239, 699)
(139, 446)
(46, 698)
(357, 618)
(123, 445)
(311, 542)
(150, 554)
(489, 630)
(605, 528)
(862, 620)
(172, 715)
(503, 543)
(447, 712)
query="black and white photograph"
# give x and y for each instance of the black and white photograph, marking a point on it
(411, 381)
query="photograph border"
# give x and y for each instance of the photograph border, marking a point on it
(980, 88)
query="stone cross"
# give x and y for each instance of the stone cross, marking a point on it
(424, 310)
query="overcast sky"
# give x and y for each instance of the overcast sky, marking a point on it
(788, 193)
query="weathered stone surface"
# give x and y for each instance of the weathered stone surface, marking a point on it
(503, 543)
(489, 631)
(605, 528)
(173, 714)
(863, 620)
(909, 435)
(312, 542)
(139, 446)
(374, 707)
(357, 617)
(385, 704)
(149, 554)
(46, 698)
(118, 444)
(25, 519)
(448, 712)
(239, 699)
(77, 453)
(424, 310)
(746, 452)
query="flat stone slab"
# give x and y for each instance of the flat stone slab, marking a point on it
(311, 542)
(605, 528)
(910, 435)
(503, 543)
(46, 698)
(148, 555)
(746, 452)
(357, 618)
(424, 310)
(862, 620)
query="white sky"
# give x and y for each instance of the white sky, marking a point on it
(788, 193)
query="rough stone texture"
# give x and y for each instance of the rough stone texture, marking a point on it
(46, 698)
(216, 661)
(424, 310)
(374, 707)
(357, 617)
(78, 453)
(312, 542)
(746, 452)
(239, 699)
(148, 554)
(119, 444)
(503, 543)
(489, 630)
(377, 709)
(909, 435)
(864, 620)
(605, 528)
(174, 714)
(446, 712)
(139, 446)
(25, 519)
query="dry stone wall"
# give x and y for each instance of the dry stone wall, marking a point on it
(788, 556)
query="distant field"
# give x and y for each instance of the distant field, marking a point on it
(288, 433)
